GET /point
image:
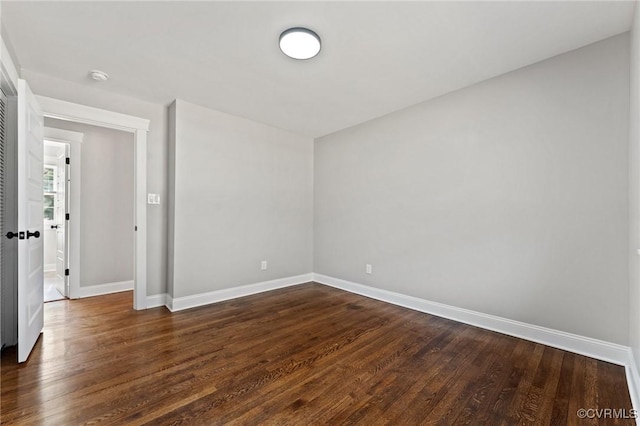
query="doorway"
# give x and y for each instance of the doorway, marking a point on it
(55, 206)
(138, 127)
(106, 224)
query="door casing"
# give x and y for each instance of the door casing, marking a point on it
(74, 140)
(139, 127)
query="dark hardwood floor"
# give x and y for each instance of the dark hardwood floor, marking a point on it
(308, 354)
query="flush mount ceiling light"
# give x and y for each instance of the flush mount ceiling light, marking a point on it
(98, 75)
(299, 43)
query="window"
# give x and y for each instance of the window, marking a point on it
(49, 184)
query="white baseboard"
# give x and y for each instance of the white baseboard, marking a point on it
(633, 381)
(186, 302)
(100, 289)
(157, 300)
(168, 302)
(50, 268)
(594, 348)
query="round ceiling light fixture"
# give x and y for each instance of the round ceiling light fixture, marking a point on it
(98, 75)
(299, 43)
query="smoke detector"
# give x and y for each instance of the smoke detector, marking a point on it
(98, 75)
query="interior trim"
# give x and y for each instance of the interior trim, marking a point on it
(633, 381)
(186, 302)
(599, 349)
(74, 140)
(107, 288)
(157, 300)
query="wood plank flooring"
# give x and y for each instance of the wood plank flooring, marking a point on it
(308, 354)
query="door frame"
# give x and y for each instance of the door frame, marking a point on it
(72, 253)
(69, 111)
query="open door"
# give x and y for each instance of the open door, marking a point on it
(30, 221)
(62, 236)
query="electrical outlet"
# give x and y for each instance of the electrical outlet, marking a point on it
(368, 269)
(263, 265)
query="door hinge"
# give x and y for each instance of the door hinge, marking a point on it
(66, 272)
(66, 216)
(67, 160)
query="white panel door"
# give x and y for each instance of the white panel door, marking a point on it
(62, 280)
(30, 222)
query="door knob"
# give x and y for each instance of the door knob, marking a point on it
(54, 226)
(33, 234)
(11, 235)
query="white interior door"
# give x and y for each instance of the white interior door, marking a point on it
(62, 280)
(30, 222)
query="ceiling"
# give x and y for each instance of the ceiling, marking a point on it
(377, 57)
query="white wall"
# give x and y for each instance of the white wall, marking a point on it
(634, 190)
(90, 94)
(509, 197)
(243, 194)
(106, 207)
